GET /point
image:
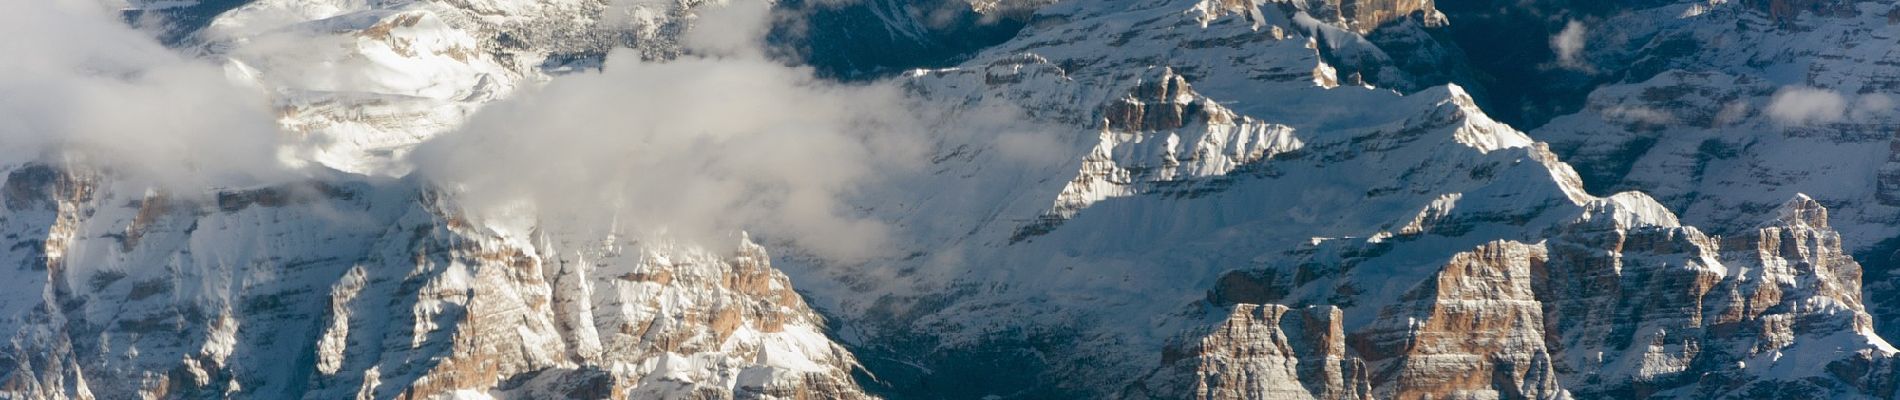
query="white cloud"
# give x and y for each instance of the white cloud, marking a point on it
(719, 140)
(79, 84)
(1793, 106)
(1644, 115)
(737, 29)
(1732, 113)
(1872, 106)
(1569, 46)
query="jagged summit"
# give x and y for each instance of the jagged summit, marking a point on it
(1371, 209)
(1802, 211)
(1201, 199)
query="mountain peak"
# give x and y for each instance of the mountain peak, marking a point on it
(1802, 211)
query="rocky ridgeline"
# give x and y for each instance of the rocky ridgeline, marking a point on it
(1362, 215)
(357, 290)
(1164, 138)
(1703, 125)
(1277, 228)
(1599, 309)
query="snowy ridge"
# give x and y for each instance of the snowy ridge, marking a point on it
(1223, 205)
(1383, 191)
(352, 285)
(397, 295)
(364, 81)
(1720, 133)
(1166, 134)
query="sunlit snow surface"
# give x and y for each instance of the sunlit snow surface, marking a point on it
(1085, 249)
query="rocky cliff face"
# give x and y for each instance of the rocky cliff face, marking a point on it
(1266, 352)
(351, 289)
(1718, 131)
(1375, 211)
(355, 286)
(1363, 16)
(1471, 330)
(1219, 200)
(1612, 307)
(362, 82)
(1165, 138)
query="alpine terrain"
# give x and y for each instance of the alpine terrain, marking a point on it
(950, 199)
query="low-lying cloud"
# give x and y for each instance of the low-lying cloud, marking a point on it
(719, 140)
(1569, 46)
(1806, 105)
(1803, 106)
(1871, 106)
(1641, 115)
(80, 85)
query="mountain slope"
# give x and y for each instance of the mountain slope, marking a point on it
(352, 285)
(1723, 131)
(1220, 167)
(375, 290)
(1126, 199)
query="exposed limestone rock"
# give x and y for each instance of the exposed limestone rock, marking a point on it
(1473, 331)
(1621, 306)
(1265, 352)
(353, 290)
(1363, 16)
(1163, 137)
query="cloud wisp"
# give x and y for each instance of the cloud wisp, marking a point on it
(85, 87)
(1806, 106)
(1795, 106)
(1568, 44)
(719, 140)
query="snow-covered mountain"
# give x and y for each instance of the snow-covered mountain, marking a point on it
(348, 288)
(350, 284)
(1110, 199)
(1223, 161)
(1727, 107)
